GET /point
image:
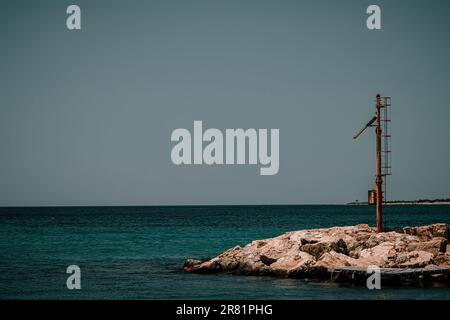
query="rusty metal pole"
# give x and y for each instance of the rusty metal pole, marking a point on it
(378, 178)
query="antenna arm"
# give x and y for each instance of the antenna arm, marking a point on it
(365, 127)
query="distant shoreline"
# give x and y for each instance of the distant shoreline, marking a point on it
(365, 203)
(408, 202)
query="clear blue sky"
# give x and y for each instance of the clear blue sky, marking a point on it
(86, 116)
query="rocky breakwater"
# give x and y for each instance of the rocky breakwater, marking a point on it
(408, 253)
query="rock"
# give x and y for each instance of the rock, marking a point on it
(381, 255)
(293, 265)
(314, 253)
(414, 259)
(442, 260)
(190, 264)
(436, 230)
(333, 260)
(319, 248)
(267, 260)
(434, 246)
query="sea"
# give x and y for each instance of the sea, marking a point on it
(138, 252)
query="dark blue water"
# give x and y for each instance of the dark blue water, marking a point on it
(138, 252)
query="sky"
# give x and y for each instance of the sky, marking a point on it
(86, 116)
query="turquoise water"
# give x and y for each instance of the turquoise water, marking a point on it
(138, 252)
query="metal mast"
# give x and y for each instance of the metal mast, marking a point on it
(382, 170)
(378, 174)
